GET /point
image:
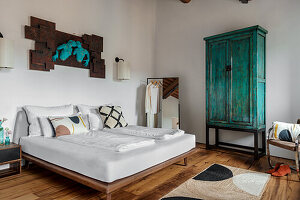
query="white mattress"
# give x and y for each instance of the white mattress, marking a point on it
(101, 164)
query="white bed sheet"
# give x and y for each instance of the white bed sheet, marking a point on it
(101, 164)
(109, 141)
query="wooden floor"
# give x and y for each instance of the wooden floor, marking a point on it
(38, 183)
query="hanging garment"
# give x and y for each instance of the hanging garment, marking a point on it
(152, 100)
(159, 108)
(152, 104)
(150, 120)
(147, 99)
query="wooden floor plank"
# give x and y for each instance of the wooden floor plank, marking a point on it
(37, 183)
(61, 184)
(28, 187)
(29, 196)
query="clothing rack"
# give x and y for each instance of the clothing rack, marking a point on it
(152, 78)
(158, 78)
(156, 82)
(178, 104)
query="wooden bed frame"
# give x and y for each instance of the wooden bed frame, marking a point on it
(107, 188)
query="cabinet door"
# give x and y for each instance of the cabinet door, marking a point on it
(241, 80)
(217, 89)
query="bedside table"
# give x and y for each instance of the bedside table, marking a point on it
(12, 155)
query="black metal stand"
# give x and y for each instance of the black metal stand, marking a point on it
(257, 152)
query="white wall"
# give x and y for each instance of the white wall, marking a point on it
(179, 51)
(128, 28)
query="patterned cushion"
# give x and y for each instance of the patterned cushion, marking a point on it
(112, 116)
(285, 131)
(68, 125)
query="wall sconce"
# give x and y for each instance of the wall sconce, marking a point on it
(6, 53)
(123, 69)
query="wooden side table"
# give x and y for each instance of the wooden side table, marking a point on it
(12, 155)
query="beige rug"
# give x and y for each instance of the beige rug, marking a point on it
(222, 182)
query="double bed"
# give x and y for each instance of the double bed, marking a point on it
(102, 169)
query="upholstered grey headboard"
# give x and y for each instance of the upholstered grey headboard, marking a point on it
(21, 126)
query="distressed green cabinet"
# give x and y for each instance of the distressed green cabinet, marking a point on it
(235, 80)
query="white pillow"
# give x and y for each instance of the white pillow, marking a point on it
(34, 112)
(47, 128)
(94, 117)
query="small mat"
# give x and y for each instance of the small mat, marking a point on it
(222, 182)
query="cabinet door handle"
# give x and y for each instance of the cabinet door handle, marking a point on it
(228, 68)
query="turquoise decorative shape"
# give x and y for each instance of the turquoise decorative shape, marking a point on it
(7, 140)
(80, 53)
(67, 49)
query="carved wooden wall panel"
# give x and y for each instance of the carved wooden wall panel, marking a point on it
(47, 39)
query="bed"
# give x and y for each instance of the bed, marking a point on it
(98, 168)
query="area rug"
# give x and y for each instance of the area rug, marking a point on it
(222, 182)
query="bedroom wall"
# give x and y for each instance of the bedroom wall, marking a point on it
(128, 28)
(179, 51)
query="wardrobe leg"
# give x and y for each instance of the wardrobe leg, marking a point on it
(263, 135)
(217, 137)
(256, 145)
(207, 137)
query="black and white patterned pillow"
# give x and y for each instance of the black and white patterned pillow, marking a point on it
(112, 116)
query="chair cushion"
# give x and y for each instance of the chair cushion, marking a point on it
(285, 131)
(283, 144)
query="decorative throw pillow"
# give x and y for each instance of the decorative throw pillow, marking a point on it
(285, 131)
(34, 112)
(112, 116)
(93, 114)
(68, 125)
(47, 128)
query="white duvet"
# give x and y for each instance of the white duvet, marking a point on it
(109, 141)
(146, 132)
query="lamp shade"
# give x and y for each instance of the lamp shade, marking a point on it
(6, 53)
(123, 70)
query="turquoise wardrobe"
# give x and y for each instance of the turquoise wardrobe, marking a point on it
(236, 85)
